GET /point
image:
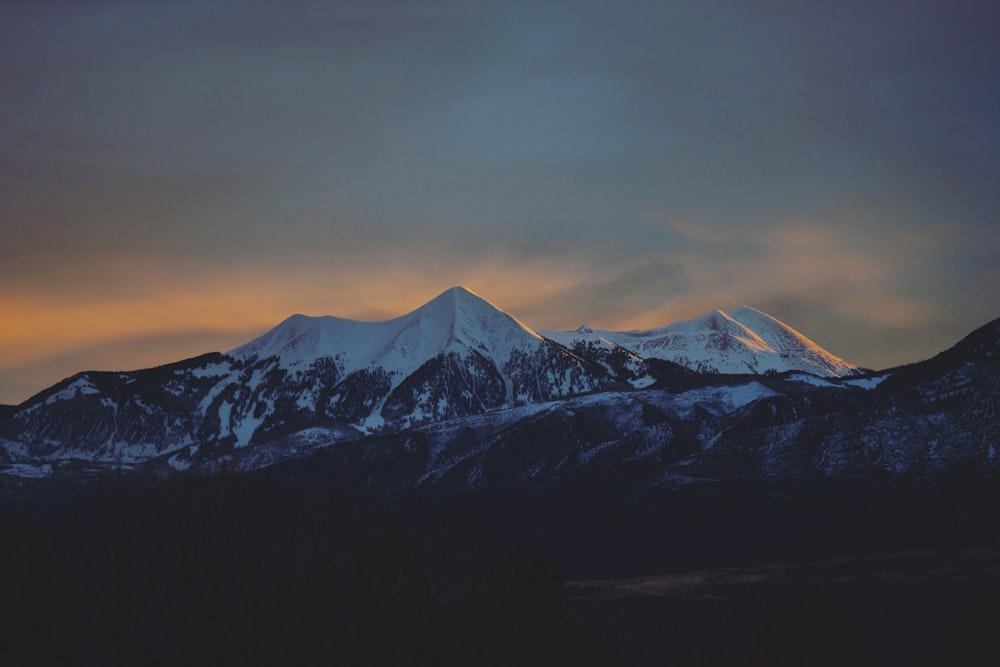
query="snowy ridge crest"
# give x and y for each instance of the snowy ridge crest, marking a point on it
(456, 320)
(743, 340)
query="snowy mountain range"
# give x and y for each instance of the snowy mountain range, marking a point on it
(459, 394)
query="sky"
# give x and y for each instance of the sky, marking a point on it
(178, 177)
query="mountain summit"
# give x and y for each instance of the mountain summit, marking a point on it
(456, 320)
(744, 340)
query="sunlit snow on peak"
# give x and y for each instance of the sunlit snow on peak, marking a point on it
(743, 340)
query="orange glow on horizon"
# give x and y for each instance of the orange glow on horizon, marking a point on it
(130, 313)
(248, 303)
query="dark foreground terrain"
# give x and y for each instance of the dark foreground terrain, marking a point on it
(918, 607)
(279, 568)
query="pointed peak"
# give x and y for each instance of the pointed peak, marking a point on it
(584, 329)
(459, 296)
(460, 291)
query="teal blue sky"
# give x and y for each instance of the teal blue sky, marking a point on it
(175, 177)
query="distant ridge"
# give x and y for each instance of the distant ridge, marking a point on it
(744, 340)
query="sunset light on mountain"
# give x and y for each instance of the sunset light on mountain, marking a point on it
(177, 178)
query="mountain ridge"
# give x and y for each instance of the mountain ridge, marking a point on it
(743, 340)
(447, 318)
(460, 390)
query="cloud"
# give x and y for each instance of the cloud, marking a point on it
(217, 166)
(808, 262)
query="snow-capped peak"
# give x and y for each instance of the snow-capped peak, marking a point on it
(723, 328)
(787, 341)
(457, 354)
(468, 318)
(743, 340)
(457, 318)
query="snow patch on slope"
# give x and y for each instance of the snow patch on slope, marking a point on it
(79, 386)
